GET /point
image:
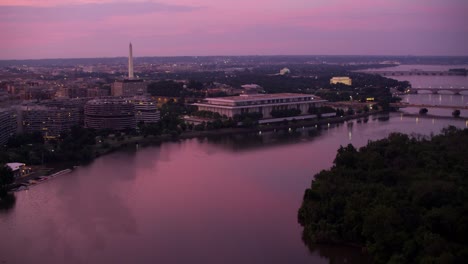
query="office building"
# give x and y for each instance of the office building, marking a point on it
(50, 121)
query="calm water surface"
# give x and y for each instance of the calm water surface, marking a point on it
(422, 81)
(232, 199)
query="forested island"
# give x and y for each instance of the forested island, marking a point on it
(402, 199)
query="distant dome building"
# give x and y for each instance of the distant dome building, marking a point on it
(285, 71)
(114, 114)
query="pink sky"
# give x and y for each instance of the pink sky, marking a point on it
(92, 28)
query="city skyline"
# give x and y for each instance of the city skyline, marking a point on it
(88, 28)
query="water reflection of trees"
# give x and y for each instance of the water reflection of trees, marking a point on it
(7, 202)
(240, 142)
(337, 254)
(340, 255)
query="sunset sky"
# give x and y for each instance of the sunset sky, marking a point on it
(90, 28)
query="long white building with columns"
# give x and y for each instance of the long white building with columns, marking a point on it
(261, 103)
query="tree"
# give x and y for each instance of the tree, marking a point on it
(401, 199)
(423, 111)
(456, 113)
(6, 178)
(195, 85)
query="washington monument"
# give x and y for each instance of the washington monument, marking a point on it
(130, 62)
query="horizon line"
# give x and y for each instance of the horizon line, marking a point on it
(246, 55)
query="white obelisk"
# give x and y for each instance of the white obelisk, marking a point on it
(130, 62)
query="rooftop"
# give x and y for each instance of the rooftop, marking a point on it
(15, 165)
(255, 97)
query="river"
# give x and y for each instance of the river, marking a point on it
(229, 199)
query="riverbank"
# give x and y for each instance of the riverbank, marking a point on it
(433, 116)
(111, 145)
(276, 126)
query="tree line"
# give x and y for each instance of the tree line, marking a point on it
(402, 199)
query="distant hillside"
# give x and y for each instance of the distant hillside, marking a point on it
(228, 61)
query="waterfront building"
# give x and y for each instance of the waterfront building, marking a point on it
(260, 103)
(145, 110)
(18, 169)
(8, 124)
(76, 103)
(110, 113)
(342, 80)
(50, 121)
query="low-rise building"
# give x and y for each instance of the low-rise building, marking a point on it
(19, 169)
(259, 103)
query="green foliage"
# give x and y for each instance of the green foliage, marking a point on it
(423, 111)
(6, 175)
(340, 112)
(404, 199)
(195, 85)
(321, 110)
(25, 138)
(350, 111)
(6, 178)
(165, 88)
(206, 114)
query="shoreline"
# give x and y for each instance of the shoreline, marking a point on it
(152, 140)
(433, 116)
(272, 127)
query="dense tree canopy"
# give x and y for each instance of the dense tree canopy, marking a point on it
(6, 178)
(405, 200)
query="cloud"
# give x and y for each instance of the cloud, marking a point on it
(87, 11)
(82, 28)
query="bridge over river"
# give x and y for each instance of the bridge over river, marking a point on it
(417, 73)
(434, 90)
(402, 105)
